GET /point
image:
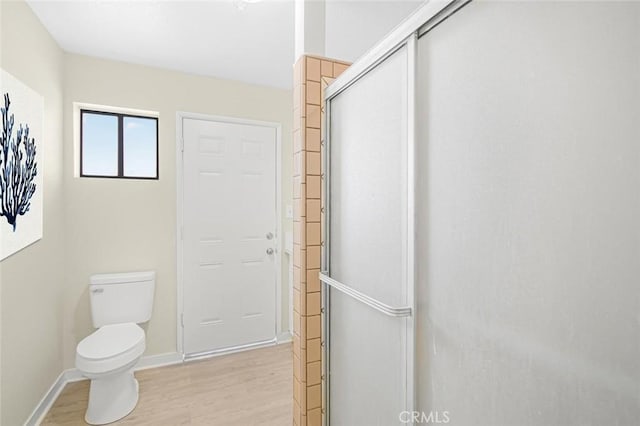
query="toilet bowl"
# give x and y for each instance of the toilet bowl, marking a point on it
(119, 302)
(108, 357)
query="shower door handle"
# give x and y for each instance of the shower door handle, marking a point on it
(392, 311)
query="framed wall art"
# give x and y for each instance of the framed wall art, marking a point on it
(21, 177)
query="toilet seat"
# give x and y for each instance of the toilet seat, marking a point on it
(110, 347)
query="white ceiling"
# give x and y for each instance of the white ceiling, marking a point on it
(254, 43)
(212, 37)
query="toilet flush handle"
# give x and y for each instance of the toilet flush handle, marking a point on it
(97, 290)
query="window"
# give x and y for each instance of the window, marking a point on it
(118, 145)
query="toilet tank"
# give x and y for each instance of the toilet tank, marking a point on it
(121, 298)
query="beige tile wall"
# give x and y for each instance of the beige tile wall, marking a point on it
(311, 76)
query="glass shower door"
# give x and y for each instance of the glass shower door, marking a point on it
(368, 279)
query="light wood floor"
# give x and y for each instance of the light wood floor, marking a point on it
(242, 389)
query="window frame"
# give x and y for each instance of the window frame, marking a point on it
(120, 116)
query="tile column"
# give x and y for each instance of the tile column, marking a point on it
(311, 75)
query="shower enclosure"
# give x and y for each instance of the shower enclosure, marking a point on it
(481, 241)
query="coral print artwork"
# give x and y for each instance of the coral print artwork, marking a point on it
(18, 167)
(21, 189)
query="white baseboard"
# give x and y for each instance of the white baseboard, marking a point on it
(73, 375)
(160, 360)
(284, 337)
(47, 401)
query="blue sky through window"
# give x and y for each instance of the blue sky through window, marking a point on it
(99, 144)
(139, 144)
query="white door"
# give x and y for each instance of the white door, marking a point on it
(229, 241)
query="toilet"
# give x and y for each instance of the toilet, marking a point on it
(119, 302)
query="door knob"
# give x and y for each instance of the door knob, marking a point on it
(269, 236)
(269, 251)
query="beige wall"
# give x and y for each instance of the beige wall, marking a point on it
(363, 23)
(33, 279)
(120, 225)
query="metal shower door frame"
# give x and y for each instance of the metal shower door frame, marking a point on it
(406, 34)
(330, 284)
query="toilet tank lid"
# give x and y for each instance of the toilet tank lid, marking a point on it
(122, 278)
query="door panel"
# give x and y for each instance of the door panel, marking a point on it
(368, 364)
(368, 356)
(369, 183)
(529, 245)
(229, 208)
